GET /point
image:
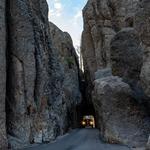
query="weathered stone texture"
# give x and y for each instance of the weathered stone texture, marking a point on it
(62, 43)
(116, 37)
(142, 26)
(126, 55)
(37, 110)
(3, 139)
(119, 116)
(102, 19)
(27, 69)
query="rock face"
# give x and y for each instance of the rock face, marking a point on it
(120, 118)
(126, 55)
(103, 73)
(38, 106)
(148, 144)
(115, 39)
(142, 27)
(102, 20)
(62, 43)
(28, 74)
(3, 141)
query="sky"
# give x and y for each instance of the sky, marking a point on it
(67, 15)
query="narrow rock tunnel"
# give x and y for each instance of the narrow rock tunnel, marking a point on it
(85, 108)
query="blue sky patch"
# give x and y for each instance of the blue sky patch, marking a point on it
(67, 15)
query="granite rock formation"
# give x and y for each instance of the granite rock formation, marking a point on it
(142, 27)
(102, 20)
(3, 139)
(28, 78)
(39, 72)
(120, 118)
(63, 46)
(126, 55)
(38, 109)
(116, 39)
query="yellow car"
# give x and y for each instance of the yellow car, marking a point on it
(88, 121)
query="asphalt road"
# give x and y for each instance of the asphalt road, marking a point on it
(80, 139)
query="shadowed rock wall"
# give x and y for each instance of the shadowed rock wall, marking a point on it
(3, 138)
(39, 93)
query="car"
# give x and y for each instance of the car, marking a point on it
(88, 121)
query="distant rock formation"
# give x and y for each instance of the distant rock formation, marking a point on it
(68, 59)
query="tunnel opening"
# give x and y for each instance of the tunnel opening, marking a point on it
(85, 108)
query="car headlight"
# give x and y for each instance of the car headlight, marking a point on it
(91, 122)
(83, 122)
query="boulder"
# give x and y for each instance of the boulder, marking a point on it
(120, 118)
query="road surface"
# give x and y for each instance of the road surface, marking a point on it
(80, 139)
